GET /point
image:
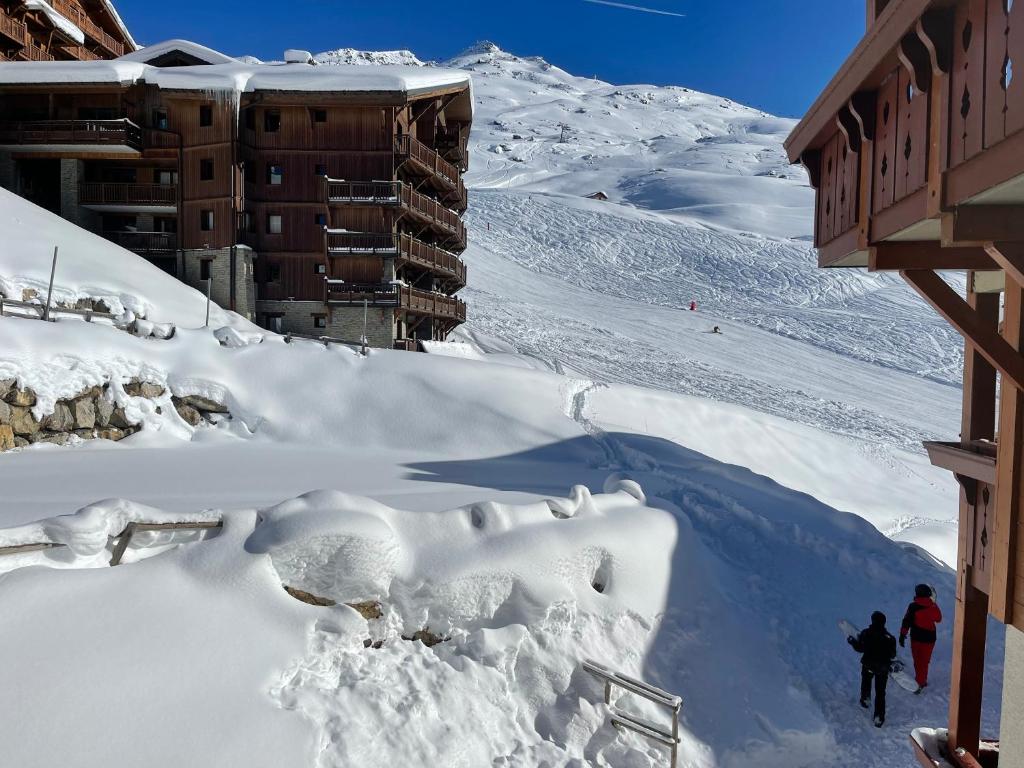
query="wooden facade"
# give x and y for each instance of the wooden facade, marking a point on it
(916, 153)
(280, 172)
(89, 30)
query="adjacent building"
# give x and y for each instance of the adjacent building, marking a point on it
(61, 30)
(916, 151)
(317, 200)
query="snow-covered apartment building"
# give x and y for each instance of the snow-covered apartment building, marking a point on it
(916, 150)
(317, 200)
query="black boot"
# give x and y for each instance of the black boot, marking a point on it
(879, 721)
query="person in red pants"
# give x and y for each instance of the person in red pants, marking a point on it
(920, 620)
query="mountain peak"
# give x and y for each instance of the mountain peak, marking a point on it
(355, 56)
(481, 46)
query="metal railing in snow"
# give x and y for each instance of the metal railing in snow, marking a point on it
(619, 719)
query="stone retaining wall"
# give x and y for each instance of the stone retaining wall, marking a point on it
(91, 414)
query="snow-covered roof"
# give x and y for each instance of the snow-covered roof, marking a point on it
(148, 53)
(60, 22)
(228, 74)
(132, 45)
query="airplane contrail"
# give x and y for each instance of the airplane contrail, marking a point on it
(629, 7)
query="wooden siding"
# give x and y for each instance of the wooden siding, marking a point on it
(967, 82)
(297, 279)
(911, 170)
(346, 128)
(837, 192)
(300, 180)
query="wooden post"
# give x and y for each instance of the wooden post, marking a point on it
(49, 291)
(209, 290)
(1009, 465)
(971, 607)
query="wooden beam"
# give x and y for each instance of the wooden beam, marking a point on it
(927, 255)
(958, 313)
(1009, 467)
(1009, 257)
(981, 224)
(971, 607)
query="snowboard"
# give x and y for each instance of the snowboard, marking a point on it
(897, 670)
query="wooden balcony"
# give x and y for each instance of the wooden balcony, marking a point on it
(451, 143)
(424, 209)
(145, 243)
(80, 19)
(404, 248)
(32, 52)
(338, 293)
(11, 29)
(101, 193)
(101, 133)
(920, 135)
(428, 163)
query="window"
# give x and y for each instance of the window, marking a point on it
(321, 219)
(206, 169)
(160, 118)
(319, 321)
(273, 224)
(205, 115)
(250, 119)
(275, 323)
(204, 269)
(273, 273)
(271, 121)
(275, 174)
(321, 169)
(319, 115)
(248, 223)
(166, 178)
(163, 224)
(319, 269)
(206, 221)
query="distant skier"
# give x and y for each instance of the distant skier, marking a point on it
(693, 306)
(920, 620)
(716, 329)
(879, 649)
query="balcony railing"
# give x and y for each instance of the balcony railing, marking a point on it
(430, 160)
(106, 193)
(398, 194)
(32, 52)
(12, 28)
(403, 247)
(114, 132)
(81, 20)
(145, 242)
(414, 300)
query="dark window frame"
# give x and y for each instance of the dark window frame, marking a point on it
(280, 223)
(206, 168)
(205, 115)
(271, 120)
(206, 216)
(205, 269)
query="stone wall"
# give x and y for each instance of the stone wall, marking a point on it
(345, 323)
(88, 415)
(1011, 736)
(190, 270)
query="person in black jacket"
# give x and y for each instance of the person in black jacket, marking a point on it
(879, 649)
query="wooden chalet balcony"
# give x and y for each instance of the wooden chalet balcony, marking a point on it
(12, 29)
(401, 247)
(401, 297)
(450, 142)
(396, 193)
(81, 20)
(121, 132)
(920, 135)
(32, 52)
(82, 53)
(145, 242)
(429, 162)
(128, 195)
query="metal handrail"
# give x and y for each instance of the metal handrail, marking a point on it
(645, 728)
(114, 131)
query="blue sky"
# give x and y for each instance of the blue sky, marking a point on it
(772, 54)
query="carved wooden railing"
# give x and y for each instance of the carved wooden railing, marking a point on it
(431, 161)
(396, 193)
(12, 28)
(107, 193)
(80, 19)
(400, 246)
(32, 52)
(121, 131)
(340, 293)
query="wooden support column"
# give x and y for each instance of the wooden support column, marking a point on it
(1009, 465)
(1009, 257)
(971, 607)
